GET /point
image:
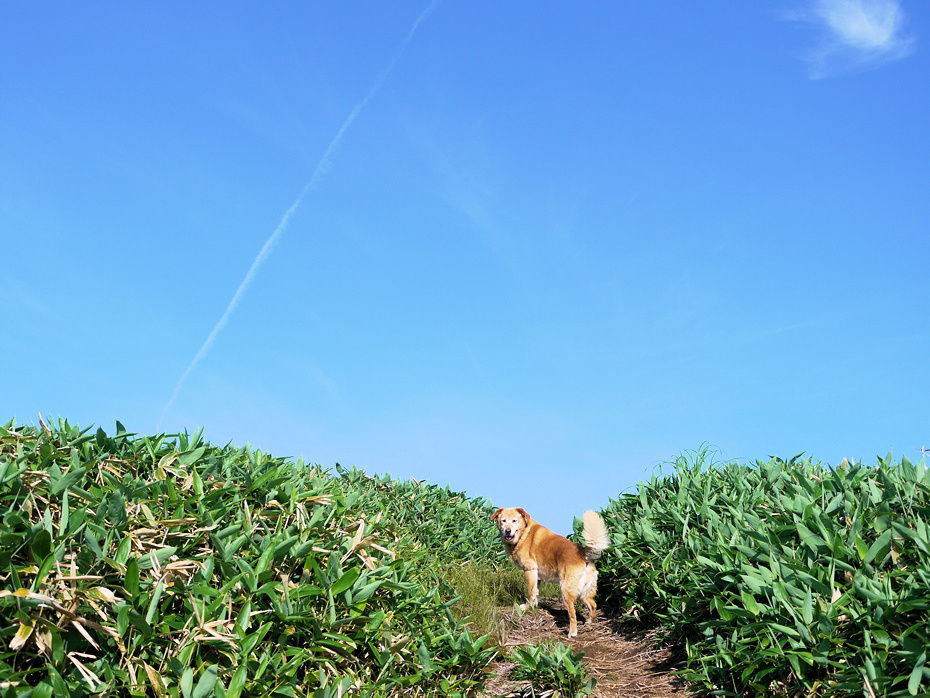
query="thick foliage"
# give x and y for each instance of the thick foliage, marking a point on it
(784, 578)
(428, 522)
(170, 567)
(552, 666)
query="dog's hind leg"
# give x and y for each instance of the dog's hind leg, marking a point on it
(588, 590)
(588, 601)
(568, 598)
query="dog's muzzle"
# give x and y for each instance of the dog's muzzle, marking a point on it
(508, 535)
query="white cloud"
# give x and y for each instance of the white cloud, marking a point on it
(865, 25)
(857, 34)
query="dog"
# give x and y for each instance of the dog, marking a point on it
(547, 556)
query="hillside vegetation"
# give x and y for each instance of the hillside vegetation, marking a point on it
(784, 578)
(167, 566)
(171, 567)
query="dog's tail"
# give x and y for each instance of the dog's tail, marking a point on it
(596, 539)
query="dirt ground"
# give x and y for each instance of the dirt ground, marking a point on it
(622, 657)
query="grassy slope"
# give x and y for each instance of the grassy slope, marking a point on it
(168, 566)
(781, 578)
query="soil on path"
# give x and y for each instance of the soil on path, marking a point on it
(621, 656)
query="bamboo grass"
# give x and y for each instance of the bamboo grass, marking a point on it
(165, 566)
(781, 577)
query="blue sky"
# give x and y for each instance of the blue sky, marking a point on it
(529, 250)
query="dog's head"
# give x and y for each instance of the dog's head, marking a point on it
(511, 523)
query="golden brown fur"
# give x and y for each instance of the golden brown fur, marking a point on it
(547, 556)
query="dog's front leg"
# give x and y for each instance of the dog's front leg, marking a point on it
(532, 580)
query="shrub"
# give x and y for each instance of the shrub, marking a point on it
(781, 578)
(552, 666)
(171, 567)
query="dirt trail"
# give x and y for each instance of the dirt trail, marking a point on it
(622, 657)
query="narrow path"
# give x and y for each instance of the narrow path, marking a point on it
(622, 657)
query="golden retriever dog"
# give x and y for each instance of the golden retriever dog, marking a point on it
(547, 556)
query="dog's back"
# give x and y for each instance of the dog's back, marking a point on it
(553, 553)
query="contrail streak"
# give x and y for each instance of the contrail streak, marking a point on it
(318, 174)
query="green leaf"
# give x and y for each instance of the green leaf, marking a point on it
(58, 648)
(861, 548)
(153, 604)
(792, 632)
(41, 545)
(92, 543)
(425, 660)
(205, 684)
(749, 601)
(65, 514)
(43, 690)
(124, 549)
(122, 619)
(265, 559)
(44, 569)
(807, 609)
(116, 510)
(811, 539)
(913, 683)
(244, 619)
(140, 623)
(66, 481)
(345, 581)
(58, 683)
(192, 457)
(187, 683)
(131, 580)
(159, 556)
(237, 683)
(880, 548)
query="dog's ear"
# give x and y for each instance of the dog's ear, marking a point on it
(526, 517)
(496, 514)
